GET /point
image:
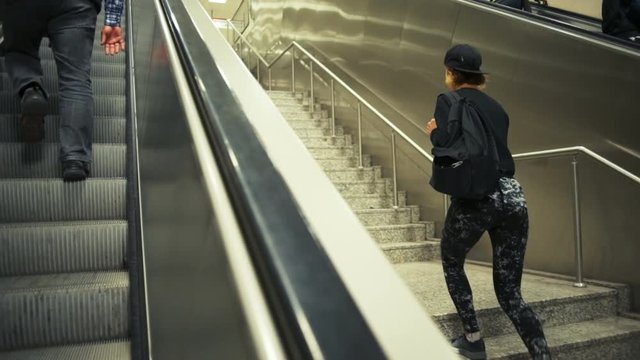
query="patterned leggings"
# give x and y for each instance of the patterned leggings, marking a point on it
(504, 215)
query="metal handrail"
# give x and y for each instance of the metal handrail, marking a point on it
(559, 152)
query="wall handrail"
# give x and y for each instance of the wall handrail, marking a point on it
(573, 150)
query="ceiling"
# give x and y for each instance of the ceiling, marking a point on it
(221, 11)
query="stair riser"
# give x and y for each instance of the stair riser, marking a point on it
(379, 202)
(60, 249)
(354, 174)
(38, 201)
(62, 316)
(395, 235)
(111, 106)
(105, 130)
(42, 161)
(297, 124)
(426, 253)
(329, 152)
(393, 217)
(338, 141)
(285, 95)
(379, 187)
(626, 348)
(101, 86)
(298, 107)
(304, 133)
(291, 114)
(494, 322)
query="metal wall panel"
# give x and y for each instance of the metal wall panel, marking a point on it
(560, 89)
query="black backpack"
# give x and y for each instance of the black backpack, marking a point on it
(468, 165)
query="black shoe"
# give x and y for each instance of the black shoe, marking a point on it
(471, 350)
(74, 170)
(34, 108)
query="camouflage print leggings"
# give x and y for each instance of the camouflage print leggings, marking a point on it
(504, 215)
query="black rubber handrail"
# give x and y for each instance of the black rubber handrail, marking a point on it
(608, 39)
(314, 313)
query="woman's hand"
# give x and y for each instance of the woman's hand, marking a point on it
(431, 125)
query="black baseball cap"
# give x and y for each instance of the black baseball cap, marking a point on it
(465, 58)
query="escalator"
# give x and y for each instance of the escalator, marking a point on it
(173, 249)
(64, 280)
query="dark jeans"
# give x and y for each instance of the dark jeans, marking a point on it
(504, 215)
(70, 26)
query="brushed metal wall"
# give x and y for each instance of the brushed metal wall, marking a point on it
(560, 90)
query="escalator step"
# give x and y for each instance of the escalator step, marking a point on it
(50, 310)
(108, 106)
(119, 350)
(105, 129)
(40, 248)
(101, 86)
(97, 69)
(42, 160)
(98, 57)
(38, 200)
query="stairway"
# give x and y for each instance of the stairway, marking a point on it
(579, 323)
(64, 284)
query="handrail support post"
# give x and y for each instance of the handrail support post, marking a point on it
(360, 162)
(395, 170)
(578, 224)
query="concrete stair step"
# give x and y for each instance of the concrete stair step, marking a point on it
(557, 302)
(120, 350)
(301, 106)
(608, 338)
(105, 129)
(373, 201)
(291, 114)
(408, 252)
(51, 310)
(354, 174)
(324, 152)
(41, 200)
(378, 186)
(342, 163)
(399, 216)
(309, 132)
(327, 141)
(101, 86)
(105, 106)
(307, 123)
(43, 161)
(40, 248)
(285, 94)
(385, 234)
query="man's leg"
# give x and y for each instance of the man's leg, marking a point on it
(72, 33)
(23, 26)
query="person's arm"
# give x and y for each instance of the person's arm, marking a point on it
(112, 35)
(439, 134)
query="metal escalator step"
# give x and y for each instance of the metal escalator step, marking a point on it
(46, 53)
(39, 200)
(66, 247)
(50, 310)
(97, 69)
(101, 86)
(114, 350)
(109, 106)
(42, 160)
(105, 129)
